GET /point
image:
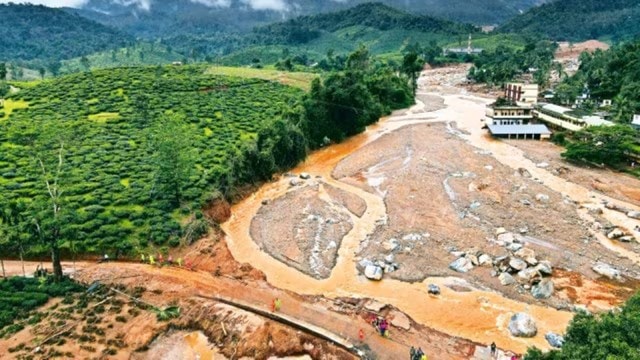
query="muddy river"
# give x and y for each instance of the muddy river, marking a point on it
(477, 315)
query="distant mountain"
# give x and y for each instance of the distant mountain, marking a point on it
(371, 15)
(580, 20)
(155, 18)
(30, 32)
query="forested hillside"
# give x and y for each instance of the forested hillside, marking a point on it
(612, 74)
(574, 20)
(141, 147)
(129, 158)
(384, 30)
(189, 17)
(30, 32)
(372, 15)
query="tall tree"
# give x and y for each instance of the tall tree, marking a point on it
(412, 65)
(174, 158)
(12, 222)
(3, 71)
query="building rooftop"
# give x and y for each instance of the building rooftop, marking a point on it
(528, 129)
(556, 108)
(596, 121)
(636, 120)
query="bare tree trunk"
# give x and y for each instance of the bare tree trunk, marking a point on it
(4, 274)
(55, 260)
(24, 273)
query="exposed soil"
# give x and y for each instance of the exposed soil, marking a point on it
(307, 238)
(571, 50)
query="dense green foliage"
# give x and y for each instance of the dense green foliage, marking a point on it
(612, 336)
(194, 18)
(609, 145)
(612, 74)
(575, 20)
(114, 191)
(30, 32)
(504, 64)
(372, 15)
(19, 296)
(349, 100)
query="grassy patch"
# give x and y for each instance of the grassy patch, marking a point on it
(300, 80)
(103, 117)
(12, 105)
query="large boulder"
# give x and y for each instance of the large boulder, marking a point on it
(528, 255)
(522, 325)
(615, 234)
(434, 289)
(484, 259)
(634, 215)
(461, 265)
(542, 290)
(545, 268)
(607, 270)
(305, 176)
(506, 238)
(373, 272)
(528, 274)
(542, 197)
(506, 279)
(554, 340)
(517, 264)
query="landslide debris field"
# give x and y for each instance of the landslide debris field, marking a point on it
(423, 200)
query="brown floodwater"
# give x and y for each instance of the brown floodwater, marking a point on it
(477, 315)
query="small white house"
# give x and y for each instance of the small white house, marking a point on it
(605, 103)
(636, 122)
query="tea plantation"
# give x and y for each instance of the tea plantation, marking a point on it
(109, 181)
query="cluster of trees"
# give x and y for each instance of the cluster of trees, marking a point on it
(346, 101)
(113, 160)
(576, 20)
(611, 335)
(609, 145)
(504, 64)
(613, 74)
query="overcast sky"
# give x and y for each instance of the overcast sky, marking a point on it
(278, 5)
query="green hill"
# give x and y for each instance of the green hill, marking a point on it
(115, 124)
(575, 20)
(380, 28)
(30, 32)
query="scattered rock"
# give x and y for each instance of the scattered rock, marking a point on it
(362, 264)
(517, 264)
(506, 279)
(458, 253)
(615, 234)
(555, 340)
(294, 182)
(412, 237)
(500, 231)
(522, 325)
(474, 205)
(373, 272)
(524, 172)
(484, 259)
(544, 267)
(434, 289)
(634, 215)
(542, 198)
(627, 238)
(525, 202)
(305, 176)
(265, 202)
(391, 245)
(542, 165)
(514, 247)
(528, 274)
(461, 265)
(528, 255)
(488, 167)
(506, 237)
(473, 259)
(375, 306)
(390, 258)
(400, 320)
(543, 290)
(607, 270)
